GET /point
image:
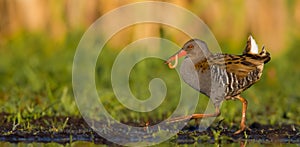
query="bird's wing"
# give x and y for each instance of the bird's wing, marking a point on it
(239, 65)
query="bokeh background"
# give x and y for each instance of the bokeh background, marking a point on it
(38, 40)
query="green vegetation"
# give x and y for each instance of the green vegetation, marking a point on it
(36, 81)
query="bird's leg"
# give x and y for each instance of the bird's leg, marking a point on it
(178, 119)
(243, 121)
(196, 116)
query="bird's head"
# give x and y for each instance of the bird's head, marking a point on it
(195, 49)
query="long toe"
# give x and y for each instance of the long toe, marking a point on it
(242, 129)
(239, 131)
(179, 119)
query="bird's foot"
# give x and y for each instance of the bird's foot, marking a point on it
(242, 129)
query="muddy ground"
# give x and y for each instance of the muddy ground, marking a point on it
(68, 129)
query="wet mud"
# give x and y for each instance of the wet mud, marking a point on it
(69, 129)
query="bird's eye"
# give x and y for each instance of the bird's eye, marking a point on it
(190, 46)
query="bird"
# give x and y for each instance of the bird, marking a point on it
(220, 76)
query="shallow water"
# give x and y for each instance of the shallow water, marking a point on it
(78, 133)
(91, 144)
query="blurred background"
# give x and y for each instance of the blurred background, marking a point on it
(273, 23)
(38, 40)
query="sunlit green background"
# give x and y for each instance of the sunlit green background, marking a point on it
(38, 40)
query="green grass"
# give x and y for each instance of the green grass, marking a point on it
(36, 80)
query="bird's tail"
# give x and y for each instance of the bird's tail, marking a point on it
(252, 48)
(266, 57)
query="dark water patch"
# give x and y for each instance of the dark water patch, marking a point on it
(266, 134)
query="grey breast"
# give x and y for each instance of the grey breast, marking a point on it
(210, 82)
(200, 81)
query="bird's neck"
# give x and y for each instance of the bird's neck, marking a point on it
(197, 59)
